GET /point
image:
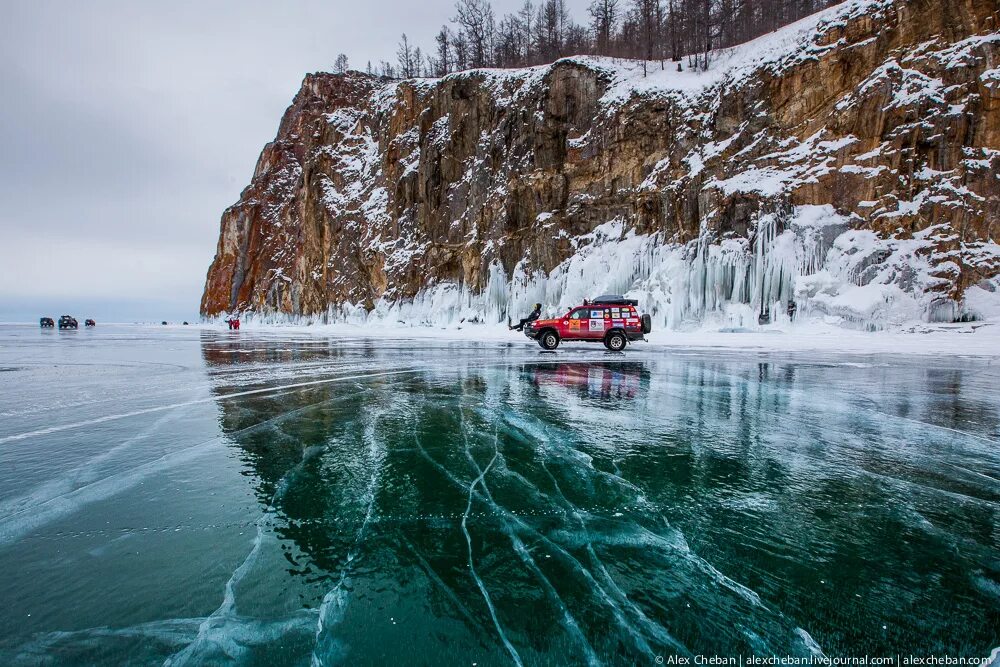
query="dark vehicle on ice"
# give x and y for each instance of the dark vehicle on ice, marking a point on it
(68, 322)
(610, 319)
(46, 322)
(90, 323)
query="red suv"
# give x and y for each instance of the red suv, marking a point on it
(612, 320)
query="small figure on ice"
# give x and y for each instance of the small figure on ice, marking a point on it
(792, 309)
(535, 314)
(234, 323)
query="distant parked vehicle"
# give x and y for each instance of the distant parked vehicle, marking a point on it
(164, 323)
(47, 322)
(68, 322)
(90, 323)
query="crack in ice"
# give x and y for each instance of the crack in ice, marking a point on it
(472, 567)
(525, 555)
(211, 632)
(335, 599)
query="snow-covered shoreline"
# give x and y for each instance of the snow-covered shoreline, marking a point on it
(981, 339)
(977, 339)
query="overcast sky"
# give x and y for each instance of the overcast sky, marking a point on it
(127, 128)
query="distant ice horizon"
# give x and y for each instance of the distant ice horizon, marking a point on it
(122, 311)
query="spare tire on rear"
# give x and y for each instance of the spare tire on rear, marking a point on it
(647, 323)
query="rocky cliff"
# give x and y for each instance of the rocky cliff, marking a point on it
(849, 162)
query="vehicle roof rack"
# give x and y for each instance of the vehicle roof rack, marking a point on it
(614, 300)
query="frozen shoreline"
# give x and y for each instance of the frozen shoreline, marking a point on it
(980, 339)
(976, 339)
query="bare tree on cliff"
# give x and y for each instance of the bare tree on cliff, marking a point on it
(418, 63)
(407, 58)
(443, 62)
(525, 17)
(708, 34)
(726, 13)
(642, 29)
(507, 51)
(675, 46)
(660, 46)
(340, 64)
(549, 26)
(603, 21)
(700, 31)
(461, 49)
(478, 24)
(647, 13)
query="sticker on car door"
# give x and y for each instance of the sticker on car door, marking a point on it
(596, 325)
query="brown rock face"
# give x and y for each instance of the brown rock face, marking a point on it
(374, 191)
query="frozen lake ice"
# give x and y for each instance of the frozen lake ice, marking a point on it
(185, 496)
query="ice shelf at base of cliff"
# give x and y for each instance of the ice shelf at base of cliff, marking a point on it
(810, 257)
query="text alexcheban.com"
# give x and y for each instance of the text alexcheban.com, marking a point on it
(825, 661)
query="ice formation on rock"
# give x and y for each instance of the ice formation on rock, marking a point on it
(847, 162)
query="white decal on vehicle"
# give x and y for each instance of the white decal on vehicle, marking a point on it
(597, 325)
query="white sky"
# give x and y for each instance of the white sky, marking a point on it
(127, 127)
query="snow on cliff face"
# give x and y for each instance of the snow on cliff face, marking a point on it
(847, 163)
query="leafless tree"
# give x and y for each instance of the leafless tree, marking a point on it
(407, 58)
(444, 59)
(525, 20)
(461, 47)
(542, 31)
(507, 48)
(647, 14)
(603, 20)
(477, 23)
(418, 63)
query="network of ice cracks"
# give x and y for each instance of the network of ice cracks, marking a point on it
(488, 432)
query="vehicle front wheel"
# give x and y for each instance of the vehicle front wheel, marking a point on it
(615, 341)
(549, 340)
